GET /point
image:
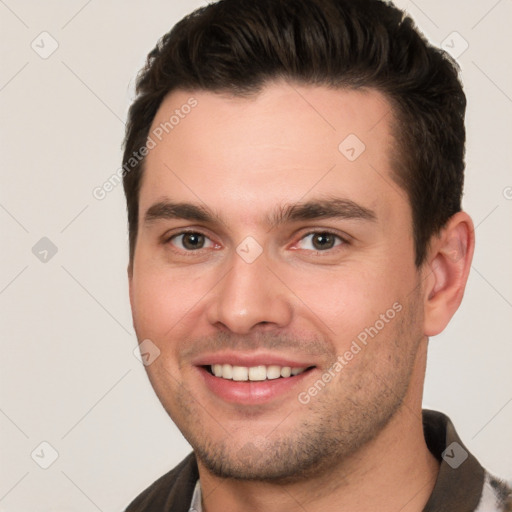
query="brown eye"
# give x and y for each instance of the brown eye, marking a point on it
(323, 241)
(190, 241)
(320, 241)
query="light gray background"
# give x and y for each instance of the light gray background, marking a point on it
(69, 376)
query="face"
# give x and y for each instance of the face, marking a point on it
(274, 271)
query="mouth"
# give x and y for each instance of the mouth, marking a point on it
(256, 383)
(254, 373)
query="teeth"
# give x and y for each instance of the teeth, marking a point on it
(239, 373)
(257, 373)
(217, 370)
(227, 371)
(254, 373)
(273, 372)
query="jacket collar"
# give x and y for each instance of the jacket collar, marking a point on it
(460, 479)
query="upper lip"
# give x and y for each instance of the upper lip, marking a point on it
(250, 359)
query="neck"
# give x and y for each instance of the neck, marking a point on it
(395, 471)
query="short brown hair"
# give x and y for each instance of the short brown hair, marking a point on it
(238, 46)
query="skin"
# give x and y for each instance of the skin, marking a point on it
(241, 158)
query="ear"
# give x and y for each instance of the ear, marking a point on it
(446, 272)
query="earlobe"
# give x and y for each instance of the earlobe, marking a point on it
(446, 272)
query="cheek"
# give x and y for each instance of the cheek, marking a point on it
(344, 301)
(165, 300)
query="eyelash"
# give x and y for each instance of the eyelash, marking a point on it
(343, 241)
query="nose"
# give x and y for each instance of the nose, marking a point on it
(250, 297)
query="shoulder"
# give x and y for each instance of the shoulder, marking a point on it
(172, 491)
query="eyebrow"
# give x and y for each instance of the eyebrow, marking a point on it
(321, 209)
(316, 209)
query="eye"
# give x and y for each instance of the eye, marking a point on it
(320, 241)
(191, 241)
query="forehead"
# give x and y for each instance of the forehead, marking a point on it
(275, 147)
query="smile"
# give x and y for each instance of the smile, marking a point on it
(253, 373)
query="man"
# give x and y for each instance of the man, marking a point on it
(293, 174)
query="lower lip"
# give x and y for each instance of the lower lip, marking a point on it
(251, 392)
